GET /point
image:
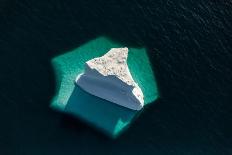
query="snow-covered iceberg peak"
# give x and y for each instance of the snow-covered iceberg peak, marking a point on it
(108, 77)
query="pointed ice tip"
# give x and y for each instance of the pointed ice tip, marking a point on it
(118, 50)
(124, 49)
(120, 54)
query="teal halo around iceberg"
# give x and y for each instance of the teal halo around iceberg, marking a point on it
(110, 118)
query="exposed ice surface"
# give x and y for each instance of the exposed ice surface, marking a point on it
(108, 77)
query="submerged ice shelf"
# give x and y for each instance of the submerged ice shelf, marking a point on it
(105, 116)
(108, 77)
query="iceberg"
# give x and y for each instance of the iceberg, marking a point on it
(109, 78)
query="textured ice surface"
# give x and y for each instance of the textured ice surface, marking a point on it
(108, 77)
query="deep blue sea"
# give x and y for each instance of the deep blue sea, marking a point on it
(189, 44)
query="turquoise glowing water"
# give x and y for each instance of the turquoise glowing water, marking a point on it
(108, 117)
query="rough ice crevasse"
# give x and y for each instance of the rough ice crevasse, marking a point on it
(108, 77)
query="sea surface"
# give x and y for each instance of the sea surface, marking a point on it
(189, 44)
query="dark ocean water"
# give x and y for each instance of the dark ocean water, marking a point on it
(189, 44)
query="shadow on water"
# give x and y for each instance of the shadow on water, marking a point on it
(188, 45)
(105, 115)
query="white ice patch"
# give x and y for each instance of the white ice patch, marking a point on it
(108, 77)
